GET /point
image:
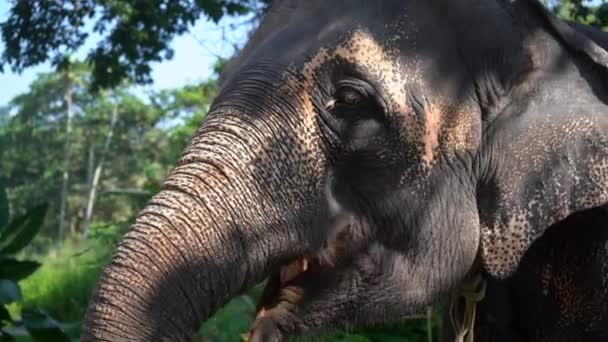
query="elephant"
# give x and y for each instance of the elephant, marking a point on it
(367, 158)
(559, 291)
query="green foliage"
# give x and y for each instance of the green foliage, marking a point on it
(232, 320)
(19, 232)
(148, 139)
(143, 149)
(4, 205)
(42, 327)
(16, 234)
(135, 33)
(64, 283)
(593, 13)
(187, 106)
(16, 270)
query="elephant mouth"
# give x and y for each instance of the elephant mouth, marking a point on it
(284, 289)
(291, 283)
(291, 270)
(285, 286)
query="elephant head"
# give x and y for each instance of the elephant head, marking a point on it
(368, 153)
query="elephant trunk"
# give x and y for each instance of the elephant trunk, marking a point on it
(201, 240)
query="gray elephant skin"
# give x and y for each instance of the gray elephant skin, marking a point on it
(366, 157)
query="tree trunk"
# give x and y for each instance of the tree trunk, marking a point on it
(94, 181)
(65, 179)
(90, 163)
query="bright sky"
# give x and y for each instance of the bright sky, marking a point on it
(195, 53)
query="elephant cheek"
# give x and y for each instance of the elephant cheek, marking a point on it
(453, 257)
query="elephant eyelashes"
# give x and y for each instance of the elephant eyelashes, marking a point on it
(352, 92)
(354, 98)
(349, 96)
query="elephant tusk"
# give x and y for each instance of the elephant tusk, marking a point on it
(293, 269)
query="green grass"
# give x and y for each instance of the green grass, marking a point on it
(62, 286)
(231, 321)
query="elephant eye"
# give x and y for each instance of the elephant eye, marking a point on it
(349, 96)
(355, 100)
(351, 92)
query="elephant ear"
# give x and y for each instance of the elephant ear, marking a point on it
(582, 39)
(546, 152)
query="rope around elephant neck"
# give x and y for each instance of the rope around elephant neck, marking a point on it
(472, 291)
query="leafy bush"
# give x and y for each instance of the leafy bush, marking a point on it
(65, 281)
(15, 234)
(232, 320)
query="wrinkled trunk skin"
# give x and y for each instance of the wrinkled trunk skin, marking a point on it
(203, 239)
(156, 287)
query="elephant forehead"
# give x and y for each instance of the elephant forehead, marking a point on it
(373, 58)
(439, 127)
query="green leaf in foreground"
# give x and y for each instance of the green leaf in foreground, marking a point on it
(11, 229)
(15, 269)
(4, 209)
(5, 315)
(5, 337)
(9, 291)
(42, 327)
(22, 230)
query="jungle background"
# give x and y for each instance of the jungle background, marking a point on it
(90, 139)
